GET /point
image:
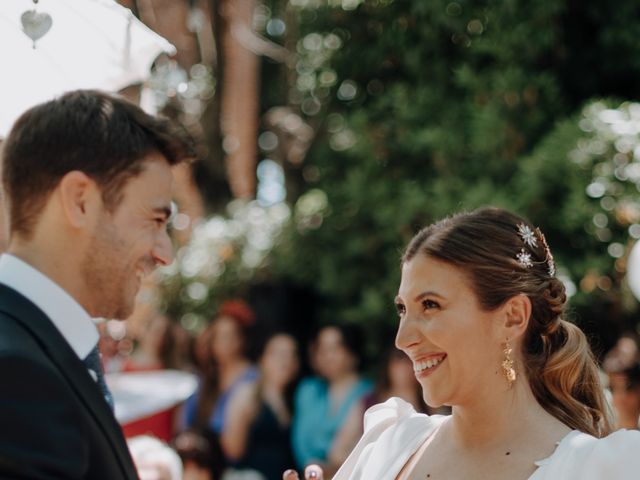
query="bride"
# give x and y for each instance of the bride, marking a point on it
(481, 318)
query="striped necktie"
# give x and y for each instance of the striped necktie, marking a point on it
(93, 363)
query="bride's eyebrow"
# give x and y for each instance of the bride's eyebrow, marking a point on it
(421, 296)
(428, 293)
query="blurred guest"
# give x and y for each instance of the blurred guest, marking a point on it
(226, 367)
(623, 354)
(147, 355)
(257, 434)
(201, 455)
(154, 459)
(176, 349)
(625, 391)
(202, 350)
(323, 403)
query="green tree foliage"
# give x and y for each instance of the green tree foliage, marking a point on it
(582, 181)
(429, 107)
(418, 109)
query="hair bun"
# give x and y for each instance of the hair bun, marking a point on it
(556, 297)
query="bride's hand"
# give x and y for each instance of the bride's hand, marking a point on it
(312, 472)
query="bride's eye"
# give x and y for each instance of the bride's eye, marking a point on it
(430, 304)
(401, 309)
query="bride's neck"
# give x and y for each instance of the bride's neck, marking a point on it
(501, 417)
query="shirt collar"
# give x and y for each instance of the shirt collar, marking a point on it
(68, 316)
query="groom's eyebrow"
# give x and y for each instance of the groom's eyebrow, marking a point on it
(164, 211)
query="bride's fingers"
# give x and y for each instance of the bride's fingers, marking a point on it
(313, 472)
(290, 475)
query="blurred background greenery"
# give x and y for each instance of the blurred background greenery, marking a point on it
(376, 117)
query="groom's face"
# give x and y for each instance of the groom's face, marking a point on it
(130, 241)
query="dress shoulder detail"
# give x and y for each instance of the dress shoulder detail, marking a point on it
(617, 456)
(393, 431)
(390, 411)
(584, 457)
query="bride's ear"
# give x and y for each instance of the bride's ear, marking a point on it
(516, 314)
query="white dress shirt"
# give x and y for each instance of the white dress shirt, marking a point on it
(68, 316)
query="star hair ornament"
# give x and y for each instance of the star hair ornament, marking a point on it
(524, 258)
(528, 236)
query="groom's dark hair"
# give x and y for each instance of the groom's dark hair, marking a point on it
(100, 134)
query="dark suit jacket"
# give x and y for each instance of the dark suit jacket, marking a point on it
(54, 421)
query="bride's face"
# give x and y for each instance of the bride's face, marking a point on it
(453, 343)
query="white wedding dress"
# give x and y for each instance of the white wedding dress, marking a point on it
(393, 432)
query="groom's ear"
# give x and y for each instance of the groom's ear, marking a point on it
(80, 199)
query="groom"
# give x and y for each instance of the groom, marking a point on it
(87, 186)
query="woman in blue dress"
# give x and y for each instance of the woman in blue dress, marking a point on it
(227, 368)
(323, 403)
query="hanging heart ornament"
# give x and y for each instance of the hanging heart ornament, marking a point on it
(35, 24)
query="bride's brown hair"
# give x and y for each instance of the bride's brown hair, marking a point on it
(558, 362)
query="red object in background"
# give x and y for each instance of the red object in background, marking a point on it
(146, 402)
(160, 425)
(239, 310)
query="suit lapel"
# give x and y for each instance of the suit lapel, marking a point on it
(71, 367)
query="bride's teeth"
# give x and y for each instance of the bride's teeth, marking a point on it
(420, 366)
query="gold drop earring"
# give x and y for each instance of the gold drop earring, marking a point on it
(507, 364)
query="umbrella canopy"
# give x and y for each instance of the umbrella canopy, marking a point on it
(54, 46)
(141, 394)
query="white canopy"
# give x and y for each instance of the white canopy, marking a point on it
(95, 44)
(141, 394)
